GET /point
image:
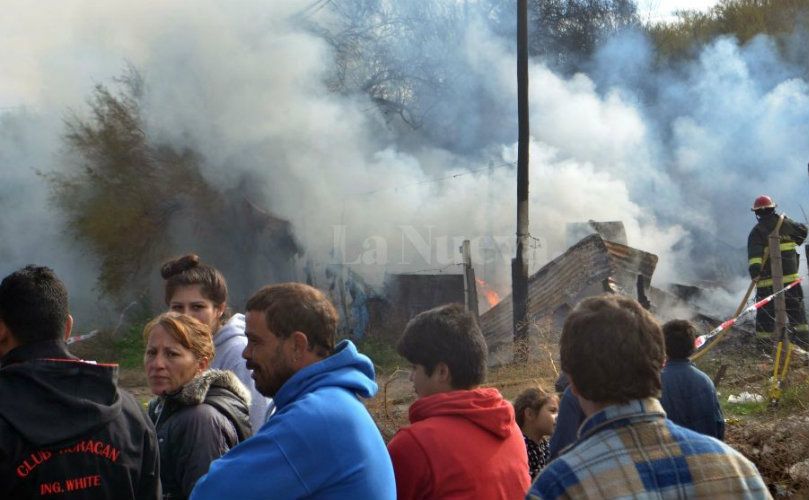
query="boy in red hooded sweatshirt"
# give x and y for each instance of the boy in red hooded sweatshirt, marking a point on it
(463, 441)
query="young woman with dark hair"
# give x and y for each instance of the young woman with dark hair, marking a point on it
(200, 291)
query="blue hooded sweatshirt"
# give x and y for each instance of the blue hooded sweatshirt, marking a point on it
(321, 443)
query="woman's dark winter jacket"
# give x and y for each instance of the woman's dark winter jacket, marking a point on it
(197, 425)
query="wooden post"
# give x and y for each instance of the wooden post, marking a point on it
(519, 265)
(469, 284)
(777, 274)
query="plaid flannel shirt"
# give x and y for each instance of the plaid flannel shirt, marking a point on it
(633, 451)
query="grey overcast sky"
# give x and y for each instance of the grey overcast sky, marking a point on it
(664, 9)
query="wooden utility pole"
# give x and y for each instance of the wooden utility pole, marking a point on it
(470, 285)
(519, 265)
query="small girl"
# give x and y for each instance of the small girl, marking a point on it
(536, 411)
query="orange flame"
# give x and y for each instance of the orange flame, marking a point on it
(492, 297)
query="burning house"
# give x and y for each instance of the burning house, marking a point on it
(599, 261)
(592, 266)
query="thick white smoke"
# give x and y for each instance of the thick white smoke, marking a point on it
(243, 86)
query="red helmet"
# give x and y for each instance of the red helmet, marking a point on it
(763, 201)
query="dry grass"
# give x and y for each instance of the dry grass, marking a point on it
(390, 405)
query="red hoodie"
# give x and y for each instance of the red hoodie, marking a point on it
(461, 445)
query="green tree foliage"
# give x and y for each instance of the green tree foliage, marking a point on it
(122, 190)
(743, 19)
(133, 201)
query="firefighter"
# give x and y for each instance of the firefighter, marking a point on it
(792, 235)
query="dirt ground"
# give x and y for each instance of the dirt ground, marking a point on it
(780, 449)
(775, 438)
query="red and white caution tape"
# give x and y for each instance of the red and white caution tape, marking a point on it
(79, 338)
(700, 341)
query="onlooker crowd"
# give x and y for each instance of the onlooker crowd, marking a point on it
(67, 431)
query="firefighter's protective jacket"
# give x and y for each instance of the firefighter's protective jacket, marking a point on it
(792, 235)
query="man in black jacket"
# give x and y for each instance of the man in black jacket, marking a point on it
(792, 234)
(66, 430)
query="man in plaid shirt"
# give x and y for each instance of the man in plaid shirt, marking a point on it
(612, 351)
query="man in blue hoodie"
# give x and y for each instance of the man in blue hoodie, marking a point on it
(321, 442)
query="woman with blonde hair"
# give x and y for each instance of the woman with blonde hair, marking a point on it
(199, 414)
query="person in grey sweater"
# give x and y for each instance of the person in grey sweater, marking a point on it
(200, 291)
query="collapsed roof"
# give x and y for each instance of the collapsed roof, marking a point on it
(596, 264)
(590, 267)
